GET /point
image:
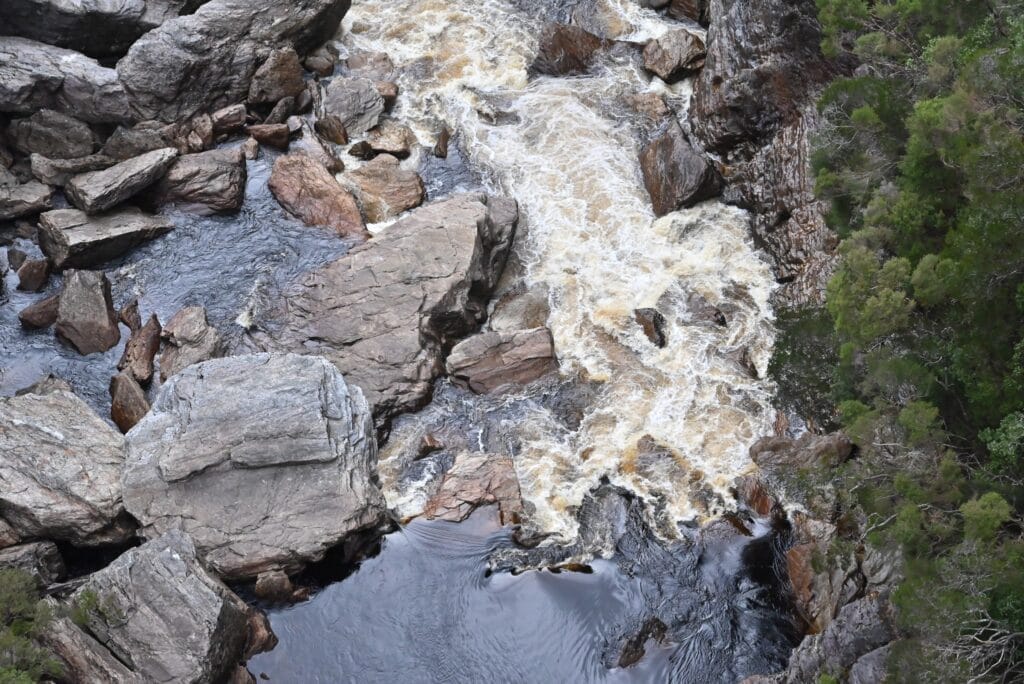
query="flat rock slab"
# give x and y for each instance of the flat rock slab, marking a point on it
(24, 200)
(385, 312)
(308, 191)
(85, 313)
(266, 460)
(206, 182)
(73, 239)
(60, 465)
(60, 171)
(491, 360)
(98, 191)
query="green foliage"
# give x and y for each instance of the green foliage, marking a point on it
(983, 517)
(22, 616)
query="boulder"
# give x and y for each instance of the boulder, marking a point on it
(60, 171)
(476, 480)
(393, 138)
(491, 360)
(42, 560)
(190, 339)
(206, 60)
(53, 135)
(676, 54)
(33, 274)
(385, 189)
(38, 76)
(140, 350)
(228, 119)
(61, 469)
(98, 191)
(206, 182)
(85, 314)
(565, 50)
(355, 101)
(128, 403)
(675, 174)
(281, 111)
(272, 135)
(385, 312)
(41, 314)
(159, 612)
(309, 192)
(145, 136)
(24, 200)
(266, 460)
(280, 76)
(73, 239)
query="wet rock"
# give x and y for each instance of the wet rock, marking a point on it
(332, 128)
(651, 106)
(60, 171)
(41, 314)
(674, 55)
(565, 50)
(190, 339)
(304, 100)
(808, 451)
(441, 146)
(385, 189)
(274, 585)
(129, 315)
(207, 60)
(635, 647)
(393, 138)
(250, 148)
(85, 314)
(317, 149)
(206, 182)
(653, 323)
(39, 76)
(281, 111)
(376, 66)
(320, 62)
(73, 239)
(355, 101)
(158, 611)
(700, 310)
(33, 274)
(491, 360)
(267, 460)
(477, 480)
(128, 403)
(385, 312)
(280, 76)
(42, 560)
(15, 258)
(520, 308)
(24, 200)
(52, 134)
(389, 92)
(98, 191)
(61, 468)
(675, 174)
(228, 119)
(309, 192)
(272, 135)
(140, 350)
(146, 136)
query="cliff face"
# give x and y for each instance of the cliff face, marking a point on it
(754, 106)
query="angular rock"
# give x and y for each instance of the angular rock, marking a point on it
(393, 138)
(128, 403)
(267, 460)
(491, 360)
(674, 55)
(85, 314)
(98, 191)
(39, 76)
(42, 560)
(24, 200)
(228, 119)
(565, 50)
(278, 77)
(250, 148)
(60, 171)
(321, 62)
(388, 91)
(332, 128)
(32, 274)
(73, 239)
(274, 585)
(41, 314)
(15, 258)
(140, 350)
(129, 315)
(386, 189)
(206, 60)
(190, 339)
(281, 111)
(272, 135)
(385, 312)
(355, 101)
(53, 135)
(309, 192)
(675, 174)
(146, 136)
(206, 182)
(477, 480)
(61, 468)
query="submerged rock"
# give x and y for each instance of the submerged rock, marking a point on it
(85, 314)
(61, 468)
(190, 339)
(385, 312)
(98, 191)
(491, 360)
(385, 188)
(355, 101)
(73, 239)
(267, 460)
(675, 174)
(309, 192)
(206, 182)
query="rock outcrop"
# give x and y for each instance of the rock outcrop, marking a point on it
(491, 360)
(72, 239)
(386, 312)
(266, 460)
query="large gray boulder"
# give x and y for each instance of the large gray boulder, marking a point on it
(206, 182)
(60, 465)
(386, 312)
(73, 239)
(35, 75)
(98, 191)
(206, 60)
(266, 460)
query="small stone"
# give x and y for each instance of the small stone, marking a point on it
(128, 403)
(15, 258)
(332, 128)
(274, 585)
(250, 148)
(129, 314)
(320, 62)
(272, 135)
(40, 315)
(228, 119)
(85, 314)
(140, 350)
(190, 339)
(304, 101)
(441, 146)
(388, 91)
(33, 274)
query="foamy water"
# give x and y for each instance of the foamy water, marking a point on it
(564, 148)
